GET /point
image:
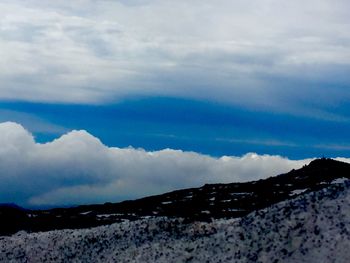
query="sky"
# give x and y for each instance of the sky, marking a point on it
(171, 94)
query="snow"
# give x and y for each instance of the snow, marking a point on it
(32, 215)
(298, 192)
(243, 193)
(314, 227)
(108, 215)
(86, 213)
(234, 210)
(339, 180)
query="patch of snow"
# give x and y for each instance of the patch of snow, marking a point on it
(339, 180)
(297, 192)
(146, 217)
(32, 215)
(86, 213)
(109, 215)
(242, 193)
(234, 210)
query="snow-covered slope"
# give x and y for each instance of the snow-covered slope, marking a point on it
(313, 227)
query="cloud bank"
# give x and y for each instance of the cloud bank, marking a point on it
(77, 168)
(264, 53)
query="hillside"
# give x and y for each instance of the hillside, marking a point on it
(312, 227)
(209, 202)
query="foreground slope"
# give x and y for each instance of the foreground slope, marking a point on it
(313, 227)
(203, 203)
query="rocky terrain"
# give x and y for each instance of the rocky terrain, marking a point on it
(311, 227)
(209, 202)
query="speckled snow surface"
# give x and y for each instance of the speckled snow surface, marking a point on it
(313, 227)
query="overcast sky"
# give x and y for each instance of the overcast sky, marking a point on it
(264, 53)
(225, 77)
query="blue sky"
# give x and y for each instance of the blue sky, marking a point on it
(201, 126)
(216, 78)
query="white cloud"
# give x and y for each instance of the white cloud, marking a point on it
(246, 52)
(78, 168)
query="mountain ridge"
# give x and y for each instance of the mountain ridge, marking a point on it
(211, 201)
(312, 227)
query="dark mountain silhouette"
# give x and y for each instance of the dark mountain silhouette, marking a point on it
(203, 203)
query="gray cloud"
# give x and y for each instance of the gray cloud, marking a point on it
(255, 53)
(78, 168)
